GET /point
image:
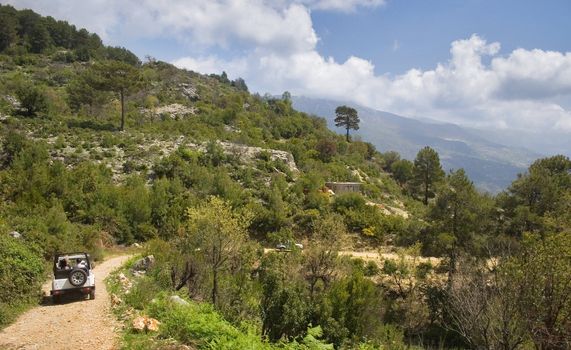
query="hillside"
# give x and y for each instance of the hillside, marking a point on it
(491, 165)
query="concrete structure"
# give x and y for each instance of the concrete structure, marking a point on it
(343, 187)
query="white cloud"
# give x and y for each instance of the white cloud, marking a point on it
(287, 28)
(341, 5)
(213, 64)
(463, 90)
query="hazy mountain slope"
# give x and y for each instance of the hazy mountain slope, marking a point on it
(492, 166)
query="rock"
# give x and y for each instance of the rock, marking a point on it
(230, 128)
(381, 207)
(139, 323)
(189, 91)
(115, 300)
(178, 300)
(173, 111)
(248, 153)
(358, 175)
(125, 283)
(13, 101)
(144, 264)
(15, 234)
(144, 323)
(152, 324)
(136, 245)
(397, 211)
(138, 274)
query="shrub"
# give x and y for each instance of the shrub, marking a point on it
(349, 201)
(21, 275)
(32, 99)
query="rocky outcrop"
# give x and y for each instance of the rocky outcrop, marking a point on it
(189, 91)
(13, 101)
(249, 153)
(145, 323)
(388, 210)
(144, 264)
(142, 157)
(174, 111)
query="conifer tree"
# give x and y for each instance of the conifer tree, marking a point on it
(347, 117)
(427, 172)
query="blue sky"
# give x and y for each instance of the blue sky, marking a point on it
(423, 30)
(492, 64)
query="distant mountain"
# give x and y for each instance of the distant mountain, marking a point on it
(492, 166)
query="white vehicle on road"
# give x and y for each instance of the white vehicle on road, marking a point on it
(72, 274)
(288, 246)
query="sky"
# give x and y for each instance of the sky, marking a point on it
(497, 65)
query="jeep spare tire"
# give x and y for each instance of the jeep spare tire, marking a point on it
(77, 277)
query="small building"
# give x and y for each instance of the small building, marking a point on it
(343, 187)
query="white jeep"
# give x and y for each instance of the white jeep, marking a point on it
(72, 274)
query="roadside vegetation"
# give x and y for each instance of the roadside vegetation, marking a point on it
(208, 175)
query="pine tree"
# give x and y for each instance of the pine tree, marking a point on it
(427, 172)
(118, 77)
(347, 117)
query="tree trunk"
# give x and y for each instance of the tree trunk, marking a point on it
(122, 92)
(347, 136)
(214, 285)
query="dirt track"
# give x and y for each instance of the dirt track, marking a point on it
(371, 256)
(75, 324)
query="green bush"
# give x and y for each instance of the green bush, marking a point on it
(201, 326)
(32, 99)
(21, 276)
(143, 291)
(349, 201)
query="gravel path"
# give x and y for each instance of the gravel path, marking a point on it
(372, 256)
(75, 324)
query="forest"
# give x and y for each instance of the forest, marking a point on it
(99, 149)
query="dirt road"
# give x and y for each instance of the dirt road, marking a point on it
(372, 256)
(75, 324)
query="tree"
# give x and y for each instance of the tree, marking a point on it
(9, 27)
(327, 149)
(121, 54)
(351, 310)
(284, 304)
(81, 92)
(542, 277)
(455, 216)
(286, 96)
(482, 305)
(320, 259)
(118, 77)
(427, 171)
(32, 99)
(536, 193)
(217, 233)
(347, 117)
(389, 158)
(402, 171)
(405, 282)
(240, 84)
(39, 38)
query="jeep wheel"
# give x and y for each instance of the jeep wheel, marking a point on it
(92, 295)
(77, 277)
